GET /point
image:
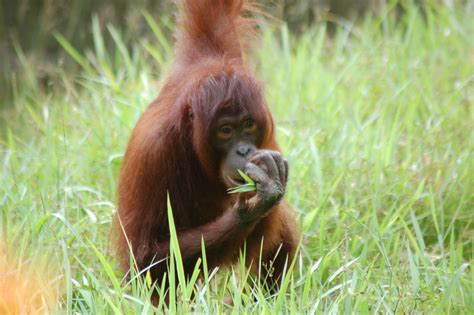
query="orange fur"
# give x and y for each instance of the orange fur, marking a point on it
(170, 152)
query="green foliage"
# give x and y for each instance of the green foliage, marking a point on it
(376, 123)
(248, 186)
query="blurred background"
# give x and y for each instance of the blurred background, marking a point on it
(27, 28)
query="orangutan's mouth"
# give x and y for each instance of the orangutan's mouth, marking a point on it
(233, 181)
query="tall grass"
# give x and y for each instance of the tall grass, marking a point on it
(376, 123)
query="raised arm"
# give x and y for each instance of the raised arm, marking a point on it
(270, 172)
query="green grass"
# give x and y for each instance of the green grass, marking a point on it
(377, 125)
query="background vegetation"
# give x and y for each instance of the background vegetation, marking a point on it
(376, 121)
(26, 27)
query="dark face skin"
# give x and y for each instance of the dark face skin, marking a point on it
(236, 138)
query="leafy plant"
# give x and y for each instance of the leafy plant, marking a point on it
(248, 186)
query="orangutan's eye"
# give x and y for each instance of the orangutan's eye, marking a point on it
(250, 126)
(225, 132)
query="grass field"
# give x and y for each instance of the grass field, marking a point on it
(376, 122)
